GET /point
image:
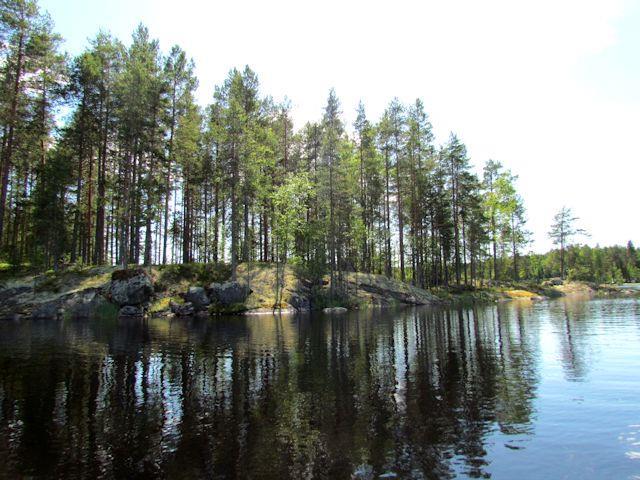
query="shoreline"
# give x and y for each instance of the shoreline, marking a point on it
(170, 291)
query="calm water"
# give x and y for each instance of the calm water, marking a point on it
(545, 390)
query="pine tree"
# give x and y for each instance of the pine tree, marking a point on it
(563, 229)
(491, 172)
(139, 172)
(420, 164)
(511, 208)
(397, 133)
(457, 165)
(32, 85)
(332, 131)
(180, 85)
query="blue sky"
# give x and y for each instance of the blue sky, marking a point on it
(549, 88)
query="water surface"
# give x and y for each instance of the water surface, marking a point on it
(518, 390)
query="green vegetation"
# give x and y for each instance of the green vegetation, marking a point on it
(162, 304)
(270, 285)
(104, 311)
(190, 274)
(72, 279)
(139, 174)
(273, 285)
(589, 264)
(562, 230)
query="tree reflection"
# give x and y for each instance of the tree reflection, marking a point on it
(412, 392)
(572, 324)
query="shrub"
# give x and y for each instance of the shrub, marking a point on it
(194, 273)
(127, 273)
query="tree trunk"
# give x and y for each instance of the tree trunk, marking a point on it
(99, 247)
(388, 271)
(8, 151)
(234, 214)
(400, 214)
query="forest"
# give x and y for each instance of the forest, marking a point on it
(107, 158)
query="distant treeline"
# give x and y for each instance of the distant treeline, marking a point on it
(591, 264)
(137, 172)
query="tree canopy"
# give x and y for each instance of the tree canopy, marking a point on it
(136, 172)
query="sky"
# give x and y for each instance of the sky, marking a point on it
(549, 88)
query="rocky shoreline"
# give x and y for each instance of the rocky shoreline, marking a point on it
(259, 289)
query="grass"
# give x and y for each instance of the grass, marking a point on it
(182, 276)
(95, 281)
(467, 295)
(163, 304)
(73, 279)
(9, 271)
(51, 283)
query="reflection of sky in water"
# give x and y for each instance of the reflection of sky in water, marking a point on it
(632, 440)
(588, 391)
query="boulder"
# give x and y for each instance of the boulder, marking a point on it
(299, 302)
(182, 309)
(7, 294)
(130, 311)
(46, 311)
(84, 304)
(228, 293)
(197, 296)
(130, 287)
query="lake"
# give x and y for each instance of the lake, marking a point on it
(514, 390)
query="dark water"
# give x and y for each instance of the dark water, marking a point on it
(520, 390)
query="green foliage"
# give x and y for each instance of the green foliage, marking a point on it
(139, 173)
(289, 202)
(194, 273)
(48, 282)
(615, 264)
(105, 311)
(562, 231)
(324, 298)
(163, 304)
(127, 273)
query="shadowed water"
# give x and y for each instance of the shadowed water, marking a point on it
(518, 390)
